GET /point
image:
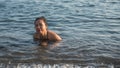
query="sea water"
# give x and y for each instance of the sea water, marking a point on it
(90, 30)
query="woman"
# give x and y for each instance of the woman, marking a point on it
(42, 32)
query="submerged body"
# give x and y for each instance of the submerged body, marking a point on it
(50, 36)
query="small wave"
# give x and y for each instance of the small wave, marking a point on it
(113, 2)
(108, 32)
(9, 41)
(8, 20)
(2, 48)
(115, 38)
(2, 6)
(113, 32)
(114, 18)
(108, 60)
(66, 1)
(85, 5)
(61, 65)
(8, 37)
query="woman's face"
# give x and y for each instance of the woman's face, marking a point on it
(40, 26)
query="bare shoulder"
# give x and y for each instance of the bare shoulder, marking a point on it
(53, 36)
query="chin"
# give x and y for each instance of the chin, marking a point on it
(40, 32)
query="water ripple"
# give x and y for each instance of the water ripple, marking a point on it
(90, 31)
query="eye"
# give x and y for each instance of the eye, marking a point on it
(36, 25)
(40, 24)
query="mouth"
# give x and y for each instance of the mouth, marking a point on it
(38, 30)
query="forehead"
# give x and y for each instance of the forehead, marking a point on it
(39, 21)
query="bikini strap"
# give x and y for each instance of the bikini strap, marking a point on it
(47, 34)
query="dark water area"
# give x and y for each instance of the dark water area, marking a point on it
(90, 30)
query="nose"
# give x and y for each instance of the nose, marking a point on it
(38, 28)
